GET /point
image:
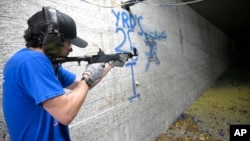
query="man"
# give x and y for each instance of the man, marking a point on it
(35, 105)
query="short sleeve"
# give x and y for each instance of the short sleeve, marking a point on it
(65, 77)
(38, 80)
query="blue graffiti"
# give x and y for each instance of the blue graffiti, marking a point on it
(152, 54)
(150, 40)
(125, 24)
(125, 20)
(160, 36)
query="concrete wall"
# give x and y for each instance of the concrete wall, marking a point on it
(180, 55)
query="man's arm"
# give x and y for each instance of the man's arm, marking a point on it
(66, 106)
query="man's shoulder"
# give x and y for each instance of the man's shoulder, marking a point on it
(26, 57)
(26, 54)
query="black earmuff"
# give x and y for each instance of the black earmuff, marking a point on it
(52, 39)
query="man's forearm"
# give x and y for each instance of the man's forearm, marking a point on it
(65, 107)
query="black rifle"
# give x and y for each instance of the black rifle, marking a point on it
(99, 58)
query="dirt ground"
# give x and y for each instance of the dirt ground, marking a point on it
(227, 102)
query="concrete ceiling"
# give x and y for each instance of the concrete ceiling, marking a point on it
(231, 16)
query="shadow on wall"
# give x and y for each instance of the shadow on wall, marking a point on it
(236, 75)
(241, 51)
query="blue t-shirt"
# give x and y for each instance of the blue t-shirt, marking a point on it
(30, 79)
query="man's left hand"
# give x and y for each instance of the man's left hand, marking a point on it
(121, 61)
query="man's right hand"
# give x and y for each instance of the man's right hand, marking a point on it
(94, 71)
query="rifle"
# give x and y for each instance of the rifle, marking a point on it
(99, 58)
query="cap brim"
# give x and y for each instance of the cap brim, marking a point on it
(79, 42)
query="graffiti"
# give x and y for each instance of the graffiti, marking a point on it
(160, 36)
(150, 40)
(125, 25)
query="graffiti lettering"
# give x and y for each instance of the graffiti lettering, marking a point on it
(126, 20)
(160, 36)
(125, 25)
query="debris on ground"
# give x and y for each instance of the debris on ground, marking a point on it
(209, 118)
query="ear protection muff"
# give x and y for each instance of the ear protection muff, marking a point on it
(52, 40)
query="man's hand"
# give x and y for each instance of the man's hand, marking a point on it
(120, 63)
(94, 71)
